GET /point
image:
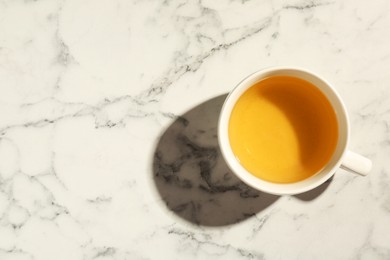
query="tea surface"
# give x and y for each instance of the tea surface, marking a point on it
(283, 129)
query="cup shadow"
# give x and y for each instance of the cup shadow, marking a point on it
(314, 193)
(193, 179)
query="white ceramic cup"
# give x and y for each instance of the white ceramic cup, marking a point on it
(342, 157)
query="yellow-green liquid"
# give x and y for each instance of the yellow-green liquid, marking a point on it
(283, 129)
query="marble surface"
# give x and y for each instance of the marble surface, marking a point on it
(108, 116)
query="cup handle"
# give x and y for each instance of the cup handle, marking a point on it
(356, 163)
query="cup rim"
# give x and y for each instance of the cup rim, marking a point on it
(281, 188)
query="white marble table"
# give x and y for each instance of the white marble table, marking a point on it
(108, 116)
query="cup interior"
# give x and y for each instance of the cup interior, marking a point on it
(288, 188)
